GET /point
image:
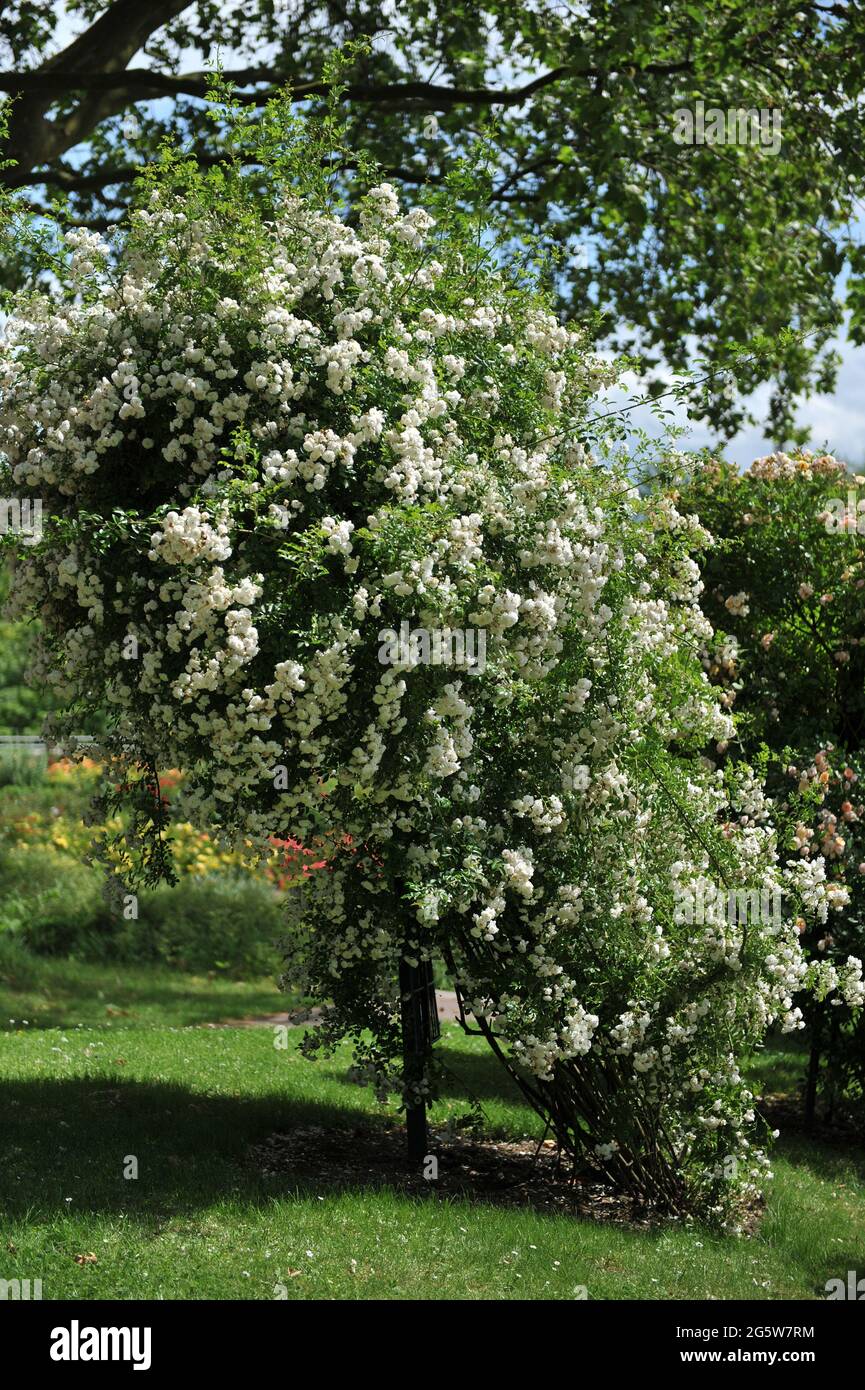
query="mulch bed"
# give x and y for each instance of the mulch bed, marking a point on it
(506, 1173)
(785, 1112)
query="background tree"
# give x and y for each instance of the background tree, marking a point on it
(674, 244)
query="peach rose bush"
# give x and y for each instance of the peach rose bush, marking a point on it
(785, 593)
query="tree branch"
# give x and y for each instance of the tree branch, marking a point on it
(138, 83)
(115, 37)
(107, 45)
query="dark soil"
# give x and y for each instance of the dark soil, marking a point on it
(515, 1174)
(786, 1112)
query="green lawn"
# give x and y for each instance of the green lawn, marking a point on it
(201, 1221)
(44, 992)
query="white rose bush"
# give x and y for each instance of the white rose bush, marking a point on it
(265, 433)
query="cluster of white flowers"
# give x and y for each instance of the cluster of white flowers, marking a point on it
(362, 433)
(818, 895)
(187, 537)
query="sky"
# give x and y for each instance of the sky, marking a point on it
(836, 421)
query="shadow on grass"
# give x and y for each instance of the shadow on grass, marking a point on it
(67, 1144)
(781, 1065)
(475, 1076)
(466, 1079)
(833, 1160)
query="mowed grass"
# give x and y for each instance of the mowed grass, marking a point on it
(43, 992)
(202, 1221)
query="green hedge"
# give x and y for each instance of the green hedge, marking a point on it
(225, 922)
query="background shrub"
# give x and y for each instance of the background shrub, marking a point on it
(21, 768)
(220, 922)
(225, 922)
(785, 592)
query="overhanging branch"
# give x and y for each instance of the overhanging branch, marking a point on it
(139, 83)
